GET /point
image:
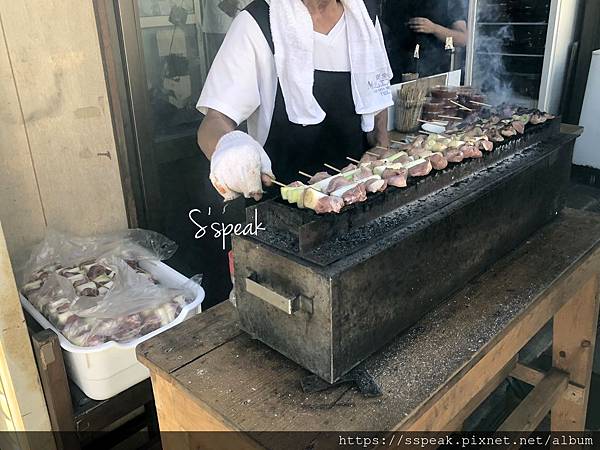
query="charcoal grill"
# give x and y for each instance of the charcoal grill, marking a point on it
(327, 291)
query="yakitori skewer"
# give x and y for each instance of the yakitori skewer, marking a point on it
(460, 105)
(373, 154)
(332, 168)
(304, 174)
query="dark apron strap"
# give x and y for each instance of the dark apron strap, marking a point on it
(259, 10)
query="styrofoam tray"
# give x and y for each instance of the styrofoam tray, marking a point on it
(105, 370)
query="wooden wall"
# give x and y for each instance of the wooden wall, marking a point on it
(58, 163)
(22, 404)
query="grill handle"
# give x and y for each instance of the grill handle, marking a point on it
(287, 304)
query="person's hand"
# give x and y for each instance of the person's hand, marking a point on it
(239, 166)
(422, 25)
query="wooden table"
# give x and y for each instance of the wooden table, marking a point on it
(208, 375)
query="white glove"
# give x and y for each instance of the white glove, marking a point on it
(239, 166)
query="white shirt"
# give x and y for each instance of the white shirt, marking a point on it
(242, 81)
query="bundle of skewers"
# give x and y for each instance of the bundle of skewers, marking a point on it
(382, 167)
(410, 100)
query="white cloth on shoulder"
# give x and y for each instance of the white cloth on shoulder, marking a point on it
(293, 39)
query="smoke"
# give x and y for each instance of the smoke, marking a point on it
(489, 71)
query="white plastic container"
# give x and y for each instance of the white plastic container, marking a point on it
(107, 369)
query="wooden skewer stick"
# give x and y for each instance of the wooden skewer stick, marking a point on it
(461, 106)
(355, 161)
(480, 103)
(277, 183)
(450, 117)
(304, 174)
(382, 148)
(373, 154)
(396, 142)
(432, 122)
(332, 168)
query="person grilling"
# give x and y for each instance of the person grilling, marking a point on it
(310, 78)
(428, 24)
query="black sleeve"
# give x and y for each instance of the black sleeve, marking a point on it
(457, 10)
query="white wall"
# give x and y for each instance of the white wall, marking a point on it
(561, 34)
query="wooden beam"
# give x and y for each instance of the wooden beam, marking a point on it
(179, 411)
(575, 327)
(53, 375)
(533, 376)
(528, 415)
(21, 393)
(456, 424)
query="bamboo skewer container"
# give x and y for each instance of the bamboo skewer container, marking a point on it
(410, 100)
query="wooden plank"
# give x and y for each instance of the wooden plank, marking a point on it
(177, 411)
(58, 74)
(527, 374)
(18, 372)
(456, 424)
(574, 329)
(190, 340)
(53, 376)
(532, 376)
(119, 108)
(21, 209)
(532, 410)
(245, 383)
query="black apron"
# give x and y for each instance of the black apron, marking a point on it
(294, 147)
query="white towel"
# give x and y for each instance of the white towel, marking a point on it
(293, 39)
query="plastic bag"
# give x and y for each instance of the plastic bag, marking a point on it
(62, 250)
(133, 291)
(133, 306)
(93, 290)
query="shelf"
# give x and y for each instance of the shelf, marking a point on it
(513, 23)
(518, 55)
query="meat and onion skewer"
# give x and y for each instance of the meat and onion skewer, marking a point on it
(380, 167)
